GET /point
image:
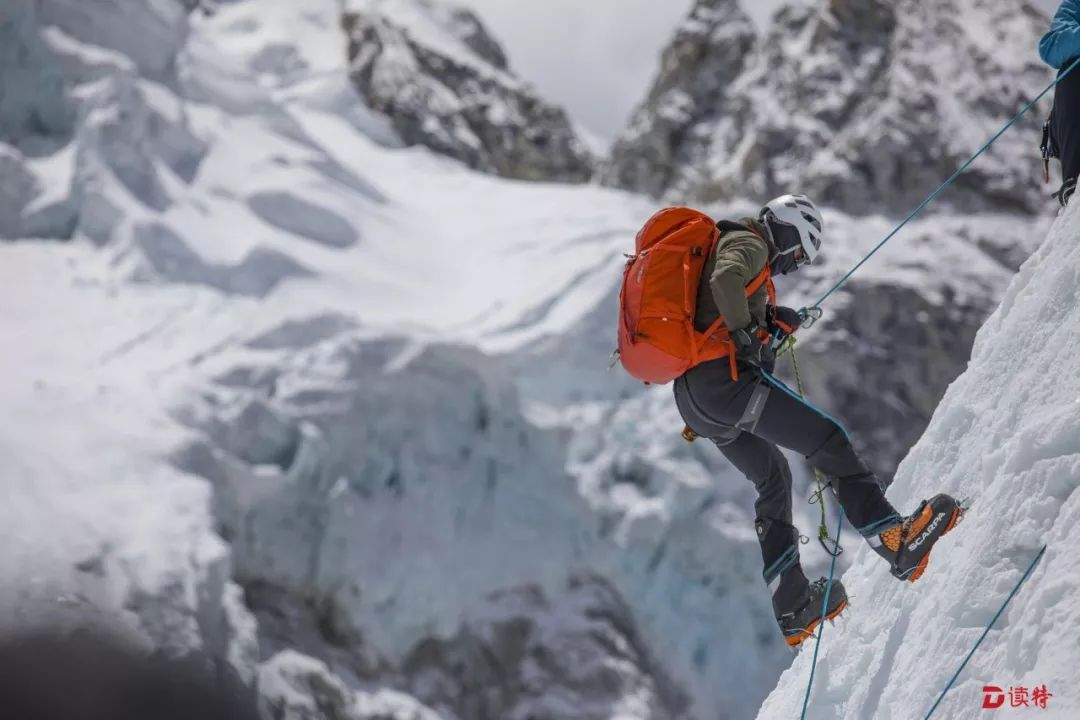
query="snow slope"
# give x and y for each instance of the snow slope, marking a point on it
(1005, 435)
(93, 521)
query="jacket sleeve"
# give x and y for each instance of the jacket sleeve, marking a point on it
(738, 261)
(1062, 43)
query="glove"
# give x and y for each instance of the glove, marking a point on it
(784, 319)
(750, 350)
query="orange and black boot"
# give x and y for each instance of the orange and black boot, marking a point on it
(907, 546)
(799, 624)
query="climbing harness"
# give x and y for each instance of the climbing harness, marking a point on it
(747, 422)
(986, 632)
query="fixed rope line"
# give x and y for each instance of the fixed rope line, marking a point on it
(810, 314)
(821, 623)
(986, 631)
(947, 183)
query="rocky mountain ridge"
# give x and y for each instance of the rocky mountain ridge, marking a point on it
(865, 106)
(444, 83)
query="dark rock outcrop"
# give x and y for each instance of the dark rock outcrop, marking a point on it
(867, 106)
(444, 83)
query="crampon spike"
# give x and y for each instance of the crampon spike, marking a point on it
(798, 646)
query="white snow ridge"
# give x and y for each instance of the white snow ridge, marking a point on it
(1007, 435)
(298, 372)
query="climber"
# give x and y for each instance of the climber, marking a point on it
(1059, 48)
(748, 414)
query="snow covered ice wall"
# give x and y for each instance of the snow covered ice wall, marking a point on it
(1006, 434)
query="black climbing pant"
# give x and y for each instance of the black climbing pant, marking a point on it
(749, 420)
(1065, 125)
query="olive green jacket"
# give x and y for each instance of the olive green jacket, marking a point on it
(739, 257)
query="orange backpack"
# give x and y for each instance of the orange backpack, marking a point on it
(657, 339)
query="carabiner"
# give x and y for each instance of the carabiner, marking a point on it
(809, 316)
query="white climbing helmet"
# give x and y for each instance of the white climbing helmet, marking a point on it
(799, 212)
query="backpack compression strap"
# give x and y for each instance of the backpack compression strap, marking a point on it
(763, 279)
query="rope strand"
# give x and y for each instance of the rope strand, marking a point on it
(819, 495)
(789, 345)
(986, 632)
(821, 624)
(947, 183)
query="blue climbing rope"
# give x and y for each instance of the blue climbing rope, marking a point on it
(809, 312)
(947, 183)
(986, 632)
(839, 526)
(821, 624)
(771, 379)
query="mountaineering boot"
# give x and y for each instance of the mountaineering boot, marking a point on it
(799, 623)
(907, 546)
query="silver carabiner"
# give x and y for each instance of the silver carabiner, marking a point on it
(809, 316)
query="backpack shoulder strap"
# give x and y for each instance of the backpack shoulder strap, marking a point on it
(729, 226)
(763, 277)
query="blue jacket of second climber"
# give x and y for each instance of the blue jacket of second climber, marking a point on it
(1062, 43)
